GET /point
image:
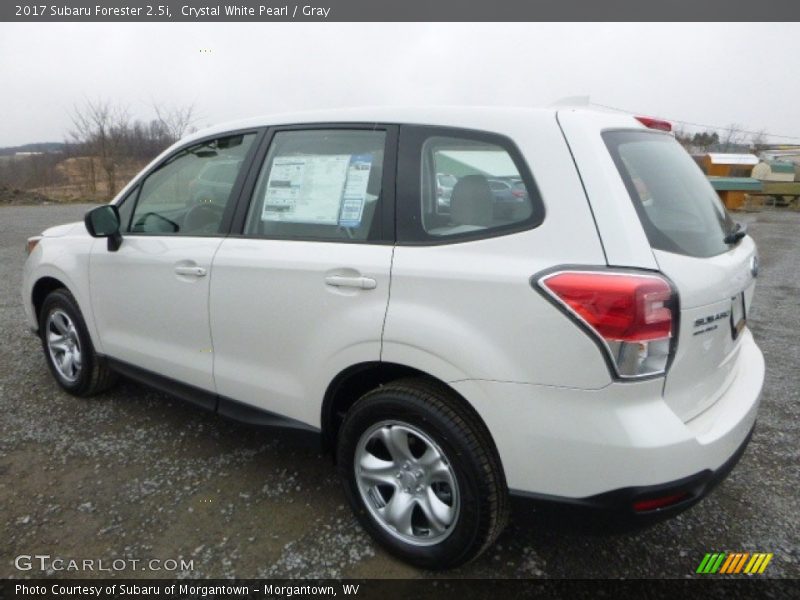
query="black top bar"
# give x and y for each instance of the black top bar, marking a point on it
(406, 10)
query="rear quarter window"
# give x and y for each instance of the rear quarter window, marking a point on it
(458, 185)
(679, 210)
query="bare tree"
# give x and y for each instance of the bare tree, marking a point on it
(102, 128)
(175, 120)
(759, 140)
(734, 136)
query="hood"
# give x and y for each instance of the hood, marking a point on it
(62, 230)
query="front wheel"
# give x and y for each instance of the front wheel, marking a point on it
(422, 474)
(68, 348)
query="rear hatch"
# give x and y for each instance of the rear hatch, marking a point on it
(690, 234)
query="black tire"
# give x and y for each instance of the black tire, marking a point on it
(94, 375)
(436, 411)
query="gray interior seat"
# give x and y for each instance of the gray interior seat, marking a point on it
(471, 206)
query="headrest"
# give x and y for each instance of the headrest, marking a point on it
(471, 202)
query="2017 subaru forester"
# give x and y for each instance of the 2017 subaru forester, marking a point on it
(586, 344)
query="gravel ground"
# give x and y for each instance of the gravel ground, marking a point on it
(135, 474)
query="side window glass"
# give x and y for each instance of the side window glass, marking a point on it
(470, 186)
(319, 185)
(187, 195)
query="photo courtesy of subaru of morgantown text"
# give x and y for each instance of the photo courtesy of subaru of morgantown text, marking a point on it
(468, 305)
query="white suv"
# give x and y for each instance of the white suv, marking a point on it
(585, 345)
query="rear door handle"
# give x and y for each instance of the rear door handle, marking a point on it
(191, 271)
(362, 283)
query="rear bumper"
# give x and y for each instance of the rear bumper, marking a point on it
(607, 446)
(617, 507)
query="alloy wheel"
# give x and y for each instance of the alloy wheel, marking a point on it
(407, 483)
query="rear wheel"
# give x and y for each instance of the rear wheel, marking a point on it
(422, 474)
(68, 348)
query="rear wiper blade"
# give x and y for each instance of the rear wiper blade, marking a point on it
(738, 232)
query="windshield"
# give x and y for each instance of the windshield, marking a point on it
(678, 208)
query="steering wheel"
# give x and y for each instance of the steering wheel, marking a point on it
(202, 218)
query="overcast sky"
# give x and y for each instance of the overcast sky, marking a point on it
(705, 73)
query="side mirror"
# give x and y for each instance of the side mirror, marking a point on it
(103, 222)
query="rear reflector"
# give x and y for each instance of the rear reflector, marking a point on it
(652, 123)
(630, 314)
(654, 503)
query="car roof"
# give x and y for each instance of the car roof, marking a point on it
(452, 116)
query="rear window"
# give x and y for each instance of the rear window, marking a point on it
(678, 208)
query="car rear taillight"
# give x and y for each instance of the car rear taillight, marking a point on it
(518, 193)
(652, 123)
(630, 314)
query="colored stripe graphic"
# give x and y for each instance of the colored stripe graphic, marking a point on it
(729, 563)
(717, 564)
(703, 564)
(740, 565)
(766, 562)
(758, 563)
(711, 563)
(754, 563)
(734, 562)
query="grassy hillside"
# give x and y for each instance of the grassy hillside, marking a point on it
(53, 177)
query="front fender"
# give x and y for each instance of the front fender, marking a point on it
(65, 259)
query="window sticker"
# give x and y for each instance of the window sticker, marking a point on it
(355, 190)
(306, 189)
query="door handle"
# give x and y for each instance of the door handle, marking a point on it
(191, 271)
(362, 283)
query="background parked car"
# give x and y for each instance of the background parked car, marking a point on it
(508, 195)
(444, 189)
